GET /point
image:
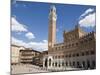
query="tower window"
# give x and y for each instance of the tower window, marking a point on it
(69, 55)
(87, 52)
(59, 57)
(62, 56)
(82, 53)
(72, 45)
(66, 56)
(76, 44)
(92, 52)
(73, 55)
(77, 54)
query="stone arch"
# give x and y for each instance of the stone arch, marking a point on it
(93, 64)
(59, 64)
(83, 64)
(66, 63)
(73, 63)
(49, 62)
(88, 64)
(78, 64)
(55, 64)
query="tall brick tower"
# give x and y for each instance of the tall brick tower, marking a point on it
(52, 27)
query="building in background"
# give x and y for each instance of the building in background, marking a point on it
(15, 50)
(27, 55)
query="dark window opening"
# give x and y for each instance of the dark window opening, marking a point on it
(66, 63)
(92, 52)
(49, 62)
(82, 53)
(87, 52)
(62, 63)
(56, 64)
(77, 54)
(73, 63)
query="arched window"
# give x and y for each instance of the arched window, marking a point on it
(87, 52)
(66, 56)
(62, 47)
(55, 57)
(90, 39)
(69, 45)
(59, 64)
(56, 48)
(65, 46)
(76, 44)
(73, 55)
(77, 54)
(82, 53)
(58, 57)
(69, 55)
(62, 56)
(72, 45)
(92, 52)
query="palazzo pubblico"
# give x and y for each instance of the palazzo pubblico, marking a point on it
(78, 49)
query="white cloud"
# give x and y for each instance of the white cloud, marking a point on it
(88, 21)
(45, 41)
(87, 12)
(18, 42)
(30, 35)
(17, 27)
(40, 46)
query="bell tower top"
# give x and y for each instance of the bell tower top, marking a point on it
(52, 14)
(53, 8)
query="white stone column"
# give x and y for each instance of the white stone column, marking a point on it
(43, 62)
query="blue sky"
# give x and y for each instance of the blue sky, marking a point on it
(33, 16)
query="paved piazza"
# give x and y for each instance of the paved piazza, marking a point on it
(26, 68)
